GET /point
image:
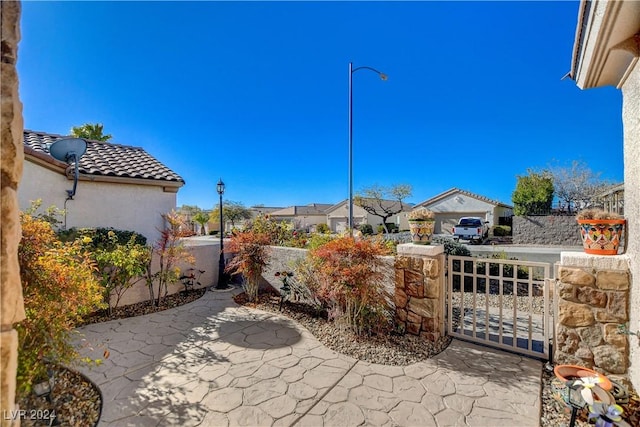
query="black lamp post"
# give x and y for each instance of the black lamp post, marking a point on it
(352, 70)
(222, 278)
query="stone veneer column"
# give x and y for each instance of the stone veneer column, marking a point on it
(593, 300)
(419, 290)
(11, 126)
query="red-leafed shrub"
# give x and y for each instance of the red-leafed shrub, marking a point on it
(350, 283)
(250, 255)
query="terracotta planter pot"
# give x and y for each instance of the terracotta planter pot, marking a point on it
(421, 231)
(601, 236)
(571, 372)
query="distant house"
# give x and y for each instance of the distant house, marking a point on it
(338, 216)
(119, 186)
(303, 217)
(612, 199)
(454, 204)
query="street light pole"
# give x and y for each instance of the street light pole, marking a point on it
(222, 282)
(351, 71)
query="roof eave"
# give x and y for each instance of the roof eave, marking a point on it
(607, 43)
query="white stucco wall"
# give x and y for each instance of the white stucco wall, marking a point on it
(98, 204)
(631, 129)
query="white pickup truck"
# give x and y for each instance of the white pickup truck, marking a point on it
(470, 228)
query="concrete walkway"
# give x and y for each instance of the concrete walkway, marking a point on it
(213, 363)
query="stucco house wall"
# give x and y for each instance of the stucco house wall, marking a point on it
(631, 126)
(606, 52)
(98, 204)
(119, 186)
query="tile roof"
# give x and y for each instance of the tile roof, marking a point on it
(105, 159)
(454, 190)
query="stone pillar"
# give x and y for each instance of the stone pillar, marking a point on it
(419, 290)
(593, 300)
(11, 127)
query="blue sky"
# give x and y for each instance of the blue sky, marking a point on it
(257, 93)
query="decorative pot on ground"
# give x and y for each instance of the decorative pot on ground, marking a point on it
(580, 387)
(421, 224)
(601, 231)
(574, 372)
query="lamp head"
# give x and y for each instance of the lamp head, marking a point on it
(384, 77)
(220, 187)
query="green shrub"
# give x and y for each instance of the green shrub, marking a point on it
(278, 232)
(102, 237)
(59, 287)
(501, 230)
(120, 267)
(322, 228)
(316, 240)
(451, 247)
(366, 229)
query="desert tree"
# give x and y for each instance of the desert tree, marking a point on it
(384, 202)
(232, 212)
(577, 185)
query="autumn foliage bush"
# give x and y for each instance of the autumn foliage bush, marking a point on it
(350, 283)
(250, 251)
(59, 287)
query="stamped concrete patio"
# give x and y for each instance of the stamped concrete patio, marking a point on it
(214, 363)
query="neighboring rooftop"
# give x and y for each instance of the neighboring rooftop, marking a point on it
(454, 190)
(310, 209)
(104, 159)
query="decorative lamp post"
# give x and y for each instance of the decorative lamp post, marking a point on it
(351, 71)
(222, 278)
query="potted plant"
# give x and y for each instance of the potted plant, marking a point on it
(601, 231)
(421, 222)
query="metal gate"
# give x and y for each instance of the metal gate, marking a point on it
(501, 303)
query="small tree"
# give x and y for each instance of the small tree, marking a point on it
(170, 251)
(251, 254)
(201, 218)
(232, 212)
(90, 131)
(577, 185)
(533, 193)
(384, 202)
(350, 282)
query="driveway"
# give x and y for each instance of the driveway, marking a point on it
(214, 363)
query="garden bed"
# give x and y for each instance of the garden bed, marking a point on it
(76, 401)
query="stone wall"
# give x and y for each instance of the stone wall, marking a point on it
(593, 300)
(546, 230)
(11, 128)
(419, 293)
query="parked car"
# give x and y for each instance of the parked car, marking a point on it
(470, 228)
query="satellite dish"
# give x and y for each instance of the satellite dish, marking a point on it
(69, 150)
(64, 149)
